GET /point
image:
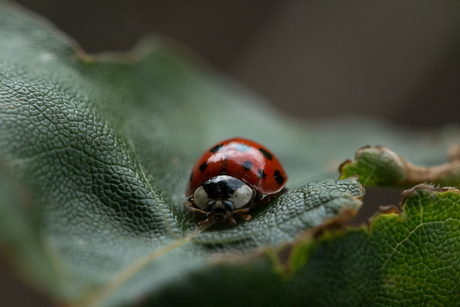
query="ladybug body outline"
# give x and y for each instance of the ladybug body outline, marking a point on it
(231, 176)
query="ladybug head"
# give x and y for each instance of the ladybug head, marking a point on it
(221, 195)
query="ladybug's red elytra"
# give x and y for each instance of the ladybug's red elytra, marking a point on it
(232, 175)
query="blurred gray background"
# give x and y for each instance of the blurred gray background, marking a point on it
(393, 59)
(398, 60)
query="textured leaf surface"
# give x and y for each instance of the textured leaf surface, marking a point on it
(403, 259)
(95, 154)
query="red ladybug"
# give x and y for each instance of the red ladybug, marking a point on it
(232, 175)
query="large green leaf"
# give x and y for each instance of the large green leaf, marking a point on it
(95, 153)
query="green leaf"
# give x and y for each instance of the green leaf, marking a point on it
(409, 258)
(379, 166)
(95, 154)
(405, 259)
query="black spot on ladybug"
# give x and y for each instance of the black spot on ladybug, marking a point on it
(216, 148)
(262, 175)
(278, 177)
(191, 176)
(203, 166)
(242, 147)
(247, 165)
(267, 154)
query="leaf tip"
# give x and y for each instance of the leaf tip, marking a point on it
(376, 165)
(342, 168)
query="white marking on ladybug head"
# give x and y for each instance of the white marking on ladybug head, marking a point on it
(242, 196)
(218, 204)
(200, 197)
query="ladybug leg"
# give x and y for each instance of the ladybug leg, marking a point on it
(188, 202)
(232, 221)
(264, 200)
(192, 206)
(245, 216)
(241, 210)
(243, 213)
(205, 222)
(198, 210)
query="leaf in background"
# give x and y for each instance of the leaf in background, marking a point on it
(95, 154)
(379, 166)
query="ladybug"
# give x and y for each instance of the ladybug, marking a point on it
(232, 175)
